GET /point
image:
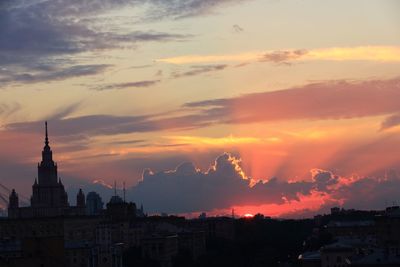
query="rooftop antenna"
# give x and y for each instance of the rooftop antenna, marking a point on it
(124, 190)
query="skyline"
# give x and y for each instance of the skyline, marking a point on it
(286, 108)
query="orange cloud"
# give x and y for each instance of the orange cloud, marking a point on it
(365, 53)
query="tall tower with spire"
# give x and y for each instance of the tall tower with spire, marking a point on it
(47, 168)
(48, 191)
(49, 198)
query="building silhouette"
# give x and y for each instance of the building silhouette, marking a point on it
(94, 204)
(50, 232)
(49, 198)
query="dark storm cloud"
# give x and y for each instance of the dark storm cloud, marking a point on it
(117, 86)
(197, 70)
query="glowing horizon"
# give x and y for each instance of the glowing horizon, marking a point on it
(275, 94)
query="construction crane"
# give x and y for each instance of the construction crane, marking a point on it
(5, 192)
(4, 199)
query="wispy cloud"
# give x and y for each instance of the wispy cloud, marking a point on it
(197, 70)
(325, 100)
(49, 28)
(64, 112)
(220, 141)
(7, 109)
(330, 100)
(237, 28)
(117, 86)
(364, 53)
(53, 75)
(185, 8)
(283, 56)
(53, 34)
(391, 121)
(196, 59)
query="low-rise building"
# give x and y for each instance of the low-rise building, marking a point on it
(161, 248)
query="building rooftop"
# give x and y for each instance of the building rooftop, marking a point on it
(351, 223)
(377, 257)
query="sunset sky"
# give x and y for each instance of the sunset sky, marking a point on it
(283, 107)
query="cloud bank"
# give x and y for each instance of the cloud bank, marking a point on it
(225, 185)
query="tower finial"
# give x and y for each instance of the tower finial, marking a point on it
(47, 136)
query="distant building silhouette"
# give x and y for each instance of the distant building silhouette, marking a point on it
(49, 233)
(80, 199)
(118, 209)
(13, 201)
(140, 212)
(49, 198)
(94, 204)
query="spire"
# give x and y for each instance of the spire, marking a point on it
(47, 155)
(47, 136)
